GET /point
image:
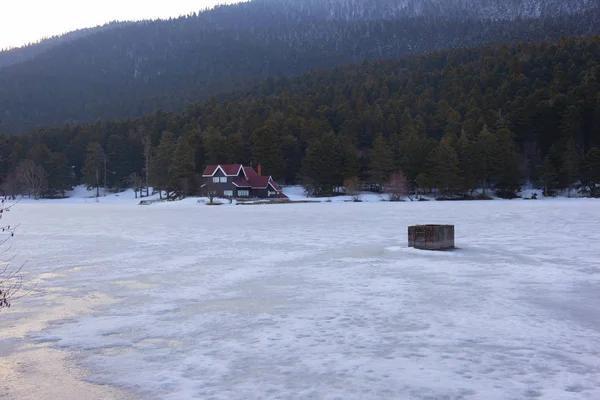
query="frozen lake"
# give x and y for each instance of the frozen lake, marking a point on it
(308, 301)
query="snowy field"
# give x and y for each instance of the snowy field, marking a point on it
(306, 301)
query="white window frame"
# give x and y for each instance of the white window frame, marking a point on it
(223, 179)
(243, 193)
(216, 179)
(228, 193)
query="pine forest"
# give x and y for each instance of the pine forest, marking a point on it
(451, 122)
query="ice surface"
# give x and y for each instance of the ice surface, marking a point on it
(324, 301)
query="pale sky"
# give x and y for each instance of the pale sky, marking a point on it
(25, 21)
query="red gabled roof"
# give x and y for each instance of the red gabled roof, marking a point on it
(228, 169)
(257, 182)
(275, 186)
(252, 179)
(254, 182)
(250, 172)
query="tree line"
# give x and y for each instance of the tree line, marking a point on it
(129, 70)
(451, 122)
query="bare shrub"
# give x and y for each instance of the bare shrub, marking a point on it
(397, 187)
(10, 186)
(32, 178)
(212, 195)
(11, 279)
(353, 188)
(308, 185)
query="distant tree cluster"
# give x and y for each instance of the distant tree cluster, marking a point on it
(129, 70)
(448, 123)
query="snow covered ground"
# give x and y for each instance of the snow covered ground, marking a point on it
(312, 301)
(295, 193)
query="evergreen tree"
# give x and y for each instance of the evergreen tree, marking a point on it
(467, 163)
(266, 150)
(118, 164)
(323, 164)
(396, 147)
(597, 118)
(292, 159)
(572, 124)
(350, 159)
(39, 154)
(590, 177)
(414, 150)
(424, 182)
(381, 161)
(160, 178)
(506, 174)
(215, 147)
(334, 168)
(182, 168)
(15, 156)
(486, 158)
(453, 122)
(147, 156)
(93, 168)
(61, 177)
(236, 149)
(76, 150)
(548, 175)
(570, 165)
(471, 129)
(444, 171)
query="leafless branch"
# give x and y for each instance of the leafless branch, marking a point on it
(32, 178)
(353, 186)
(397, 186)
(11, 279)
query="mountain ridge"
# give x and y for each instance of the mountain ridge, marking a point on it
(287, 11)
(19, 54)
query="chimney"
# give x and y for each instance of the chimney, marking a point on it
(259, 167)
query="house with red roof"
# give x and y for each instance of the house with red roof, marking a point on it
(238, 181)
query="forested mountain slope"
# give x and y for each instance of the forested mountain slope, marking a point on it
(139, 68)
(19, 54)
(451, 120)
(263, 11)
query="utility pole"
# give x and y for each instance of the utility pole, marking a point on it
(147, 156)
(97, 182)
(104, 175)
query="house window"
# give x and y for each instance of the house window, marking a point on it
(216, 179)
(223, 179)
(243, 193)
(228, 193)
(272, 193)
